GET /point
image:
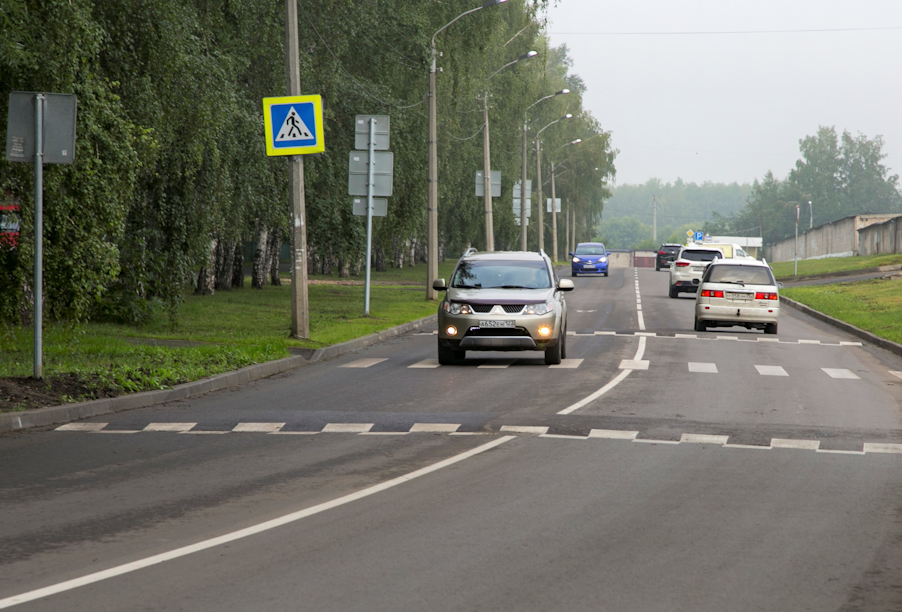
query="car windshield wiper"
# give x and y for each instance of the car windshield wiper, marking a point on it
(476, 286)
(514, 286)
(727, 282)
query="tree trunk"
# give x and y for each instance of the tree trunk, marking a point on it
(275, 255)
(357, 267)
(412, 253)
(380, 259)
(344, 270)
(238, 266)
(225, 261)
(206, 277)
(258, 278)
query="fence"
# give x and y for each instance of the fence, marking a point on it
(837, 239)
(881, 238)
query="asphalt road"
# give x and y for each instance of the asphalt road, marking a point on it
(662, 469)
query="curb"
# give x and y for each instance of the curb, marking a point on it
(82, 410)
(795, 279)
(883, 343)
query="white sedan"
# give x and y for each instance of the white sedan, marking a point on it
(738, 292)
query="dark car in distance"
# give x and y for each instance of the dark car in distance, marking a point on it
(666, 254)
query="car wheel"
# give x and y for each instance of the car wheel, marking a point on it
(606, 274)
(449, 356)
(553, 354)
(770, 328)
(563, 344)
(573, 274)
(700, 325)
(674, 292)
(657, 268)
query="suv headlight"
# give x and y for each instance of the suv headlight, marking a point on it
(452, 308)
(540, 309)
(576, 260)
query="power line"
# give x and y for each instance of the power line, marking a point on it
(720, 32)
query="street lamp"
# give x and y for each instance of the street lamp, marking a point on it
(554, 200)
(432, 199)
(810, 215)
(486, 157)
(523, 167)
(539, 179)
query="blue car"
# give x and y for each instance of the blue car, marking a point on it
(589, 258)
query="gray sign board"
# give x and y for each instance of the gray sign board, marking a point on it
(362, 132)
(380, 207)
(59, 128)
(382, 173)
(557, 205)
(496, 184)
(528, 189)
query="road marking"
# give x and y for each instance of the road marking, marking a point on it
(749, 446)
(768, 340)
(839, 452)
(693, 336)
(840, 373)
(563, 437)
(850, 343)
(800, 444)
(364, 363)
(657, 441)
(124, 431)
(809, 341)
(426, 363)
(764, 370)
(702, 368)
(896, 374)
(257, 427)
(524, 429)
(633, 364)
(170, 426)
(646, 334)
(82, 427)
(617, 379)
(498, 364)
(641, 321)
(613, 434)
(434, 427)
(605, 333)
(703, 439)
(201, 432)
(294, 433)
(728, 337)
(871, 447)
(247, 531)
(568, 364)
(347, 427)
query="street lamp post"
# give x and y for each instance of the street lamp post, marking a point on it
(432, 199)
(810, 215)
(486, 157)
(553, 203)
(523, 167)
(795, 248)
(539, 179)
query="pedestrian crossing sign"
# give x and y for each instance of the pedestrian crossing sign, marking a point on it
(294, 125)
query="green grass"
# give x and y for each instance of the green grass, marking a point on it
(415, 275)
(218, 333)
(872, 305)
(784, 269)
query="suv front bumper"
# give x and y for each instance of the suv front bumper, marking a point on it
(523, 336)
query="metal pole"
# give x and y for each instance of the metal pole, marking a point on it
(810, 215)
(432, 201)
(38, 234)
(370, 185)
(553, 216)
(539, 194)
(487, 177)
(654, 219)
(523, 191)
(300, 324)
(795, 248)
(573, 232)
(567, 230)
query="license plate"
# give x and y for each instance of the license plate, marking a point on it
(499, 323)
(589, 265)
(739, 296)
(698, 269)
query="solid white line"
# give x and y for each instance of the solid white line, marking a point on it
(850, 343)
(563, 437)
(524, 429)
(728, 337)
(623, 374)
(809, 341)
(693, 336)
(641, 321)
(610, 333)
(658, 441)
(364, 363)
(839, 452)
(201, 432)
(749, 446)
(247, 531)
(840, 373)
(646, 334)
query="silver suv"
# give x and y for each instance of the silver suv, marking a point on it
(502, 301)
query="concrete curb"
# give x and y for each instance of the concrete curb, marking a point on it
(72, 412)
(795, 279)
(867, 336)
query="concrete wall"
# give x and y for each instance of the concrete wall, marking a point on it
(620, 259)
(837, 239)
(881, 238)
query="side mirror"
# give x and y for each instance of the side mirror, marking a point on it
(608, 253)
(565, 284)
(695, 281)
(571, 254)
(779, 285)
(439, 284)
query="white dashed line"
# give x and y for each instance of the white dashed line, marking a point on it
(840, 373)
(567, 364)
(82, 427)
(524, 429)
(764, 370)
(170, 426)
(434, 427)
(871, 447)
(364, 363)
(703, 368)
(613, 434)
(426, 363)
(809, 341)
(850, 343)
(728, 337)
(633, 364)
(498, 364)
(347, 427)
(896, 374)
(798, 444)
(703, 439)
(257, 427)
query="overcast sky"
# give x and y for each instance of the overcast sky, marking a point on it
(729, 107)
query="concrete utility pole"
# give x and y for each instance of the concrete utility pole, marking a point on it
(654, 218)
(810, 215)
(539, 194)
(523, 188)
(795, 248)
(553, 216)
(300, 323)
(38, 369)
(487, 176)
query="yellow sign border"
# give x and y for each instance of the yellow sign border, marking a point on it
(320, 145)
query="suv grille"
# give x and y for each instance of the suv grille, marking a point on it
(497, 331)
(508, 308)
(513, 308)
(481, 307)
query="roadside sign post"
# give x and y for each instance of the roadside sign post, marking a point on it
(40, 129)
(795, 248)
(378, 168)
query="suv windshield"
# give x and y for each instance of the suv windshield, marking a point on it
(493, 274)
(752, 275)
(590, 249)
(699, 255)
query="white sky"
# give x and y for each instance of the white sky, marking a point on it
(729, 107)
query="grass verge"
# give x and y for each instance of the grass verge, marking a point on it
(828, 265)
(871, 305)
(215, 334)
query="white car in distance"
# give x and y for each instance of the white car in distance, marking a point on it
(688, 267)
(738, 292)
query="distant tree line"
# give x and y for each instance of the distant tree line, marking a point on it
(839, 174)
(171, 176)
